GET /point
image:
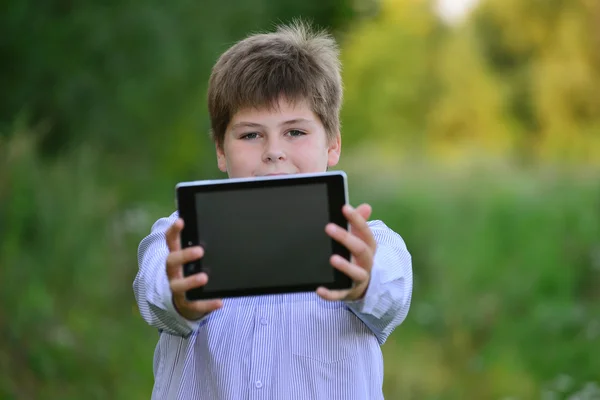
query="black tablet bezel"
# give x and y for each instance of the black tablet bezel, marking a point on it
(337, 191)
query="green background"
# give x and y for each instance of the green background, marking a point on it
(478, 140)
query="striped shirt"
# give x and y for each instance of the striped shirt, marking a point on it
(273, 347)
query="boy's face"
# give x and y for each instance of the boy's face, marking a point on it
(289, 139)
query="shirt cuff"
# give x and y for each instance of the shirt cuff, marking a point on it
(367, 303)
(370, 302)
(166, 297)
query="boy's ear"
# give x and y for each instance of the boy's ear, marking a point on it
(221, 160)
(334, 150)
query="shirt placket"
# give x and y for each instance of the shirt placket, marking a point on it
(262, 354)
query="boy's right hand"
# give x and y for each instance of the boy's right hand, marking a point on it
(191, 310)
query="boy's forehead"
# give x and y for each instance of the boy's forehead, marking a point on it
(282, 109)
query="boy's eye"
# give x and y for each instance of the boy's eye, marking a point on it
(296, 132)
(251, 135)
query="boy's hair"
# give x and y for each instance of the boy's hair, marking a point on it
(293, 62)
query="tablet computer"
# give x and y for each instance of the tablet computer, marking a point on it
(264, 235)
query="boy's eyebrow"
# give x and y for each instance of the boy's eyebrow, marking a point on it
(295, 121)
(244, 124)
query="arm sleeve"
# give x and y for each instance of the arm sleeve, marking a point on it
(151, 285)
(387, 300)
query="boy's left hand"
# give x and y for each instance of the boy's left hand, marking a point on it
(362, 245)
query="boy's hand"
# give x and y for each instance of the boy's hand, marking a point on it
(191, 310)
(362, 245)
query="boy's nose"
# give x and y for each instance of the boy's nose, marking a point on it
(273, 154)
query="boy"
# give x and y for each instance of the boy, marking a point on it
(274, 103)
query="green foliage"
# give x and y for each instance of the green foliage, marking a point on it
(547, 54)
(387, 68)
(507, 281)
(506, 260)
(128, 76)
(517, 80)
(67, 268)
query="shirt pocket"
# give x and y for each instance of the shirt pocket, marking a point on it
(322, 331)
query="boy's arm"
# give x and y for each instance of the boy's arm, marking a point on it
(151, 285)
(388, 297)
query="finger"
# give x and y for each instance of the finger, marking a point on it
(173, 235)
(359, 249)
(357, 274)
(176, 259)
(205, 306)
(332, 295)
(365, 211)
(182, 285)
(358, 223)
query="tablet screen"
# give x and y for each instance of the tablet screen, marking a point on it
(264, 237)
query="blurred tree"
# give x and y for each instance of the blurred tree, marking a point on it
(516, 79)
(388, 64)
(547, 54)
(415, 84)
(128, 76)
(466, 120)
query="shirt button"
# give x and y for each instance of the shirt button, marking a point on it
(263, 321)
(258, 384)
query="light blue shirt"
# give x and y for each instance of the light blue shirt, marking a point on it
(291, 346)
